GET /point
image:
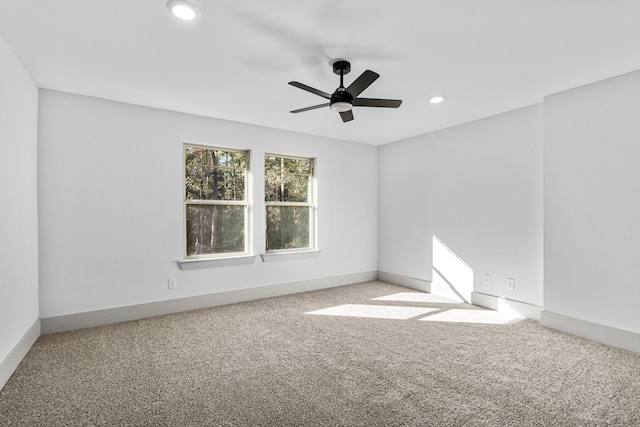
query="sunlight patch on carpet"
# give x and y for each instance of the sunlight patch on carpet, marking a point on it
(416, 297)
(374, 311)
(472, 316)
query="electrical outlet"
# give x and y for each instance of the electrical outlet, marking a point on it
(487, 279)
(511, 284)
(348, 262)
(172, 283)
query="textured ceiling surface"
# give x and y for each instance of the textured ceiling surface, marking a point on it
(234, 62)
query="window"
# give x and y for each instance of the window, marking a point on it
(288, 188)
(215, 202)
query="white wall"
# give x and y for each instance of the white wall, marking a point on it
(18, 201)
(111, 209)
(592, 203)
(478, 187)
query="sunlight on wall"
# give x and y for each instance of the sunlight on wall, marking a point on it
(452, 277)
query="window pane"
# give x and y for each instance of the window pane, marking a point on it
(214, 174)
(214, 229)
(287, 180)
(287, 227)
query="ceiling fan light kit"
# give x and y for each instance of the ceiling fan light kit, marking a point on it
(344, 99)
(341, 106)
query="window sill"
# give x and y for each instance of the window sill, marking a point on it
(193, 264)
(289, 256)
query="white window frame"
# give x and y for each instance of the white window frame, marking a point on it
(311, 204)
(188, 259)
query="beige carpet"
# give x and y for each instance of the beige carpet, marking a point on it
(267, 363)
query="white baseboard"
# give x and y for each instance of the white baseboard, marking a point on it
(140, 311)
(493, 302)
(409, 282)
(10, 363)
(608, 335)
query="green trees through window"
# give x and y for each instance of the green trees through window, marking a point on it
(215, 201)
(289, 202)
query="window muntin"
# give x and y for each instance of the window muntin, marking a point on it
(289, 203)
(215, 202)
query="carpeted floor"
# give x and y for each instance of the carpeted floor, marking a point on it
(273, 363)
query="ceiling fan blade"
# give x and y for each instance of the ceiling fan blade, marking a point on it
(362, 82)
(372, 102)
(310, 89)
(310, 108)
(347, 116)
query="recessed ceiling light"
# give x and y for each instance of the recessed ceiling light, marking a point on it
(183, 9)
(437, 99)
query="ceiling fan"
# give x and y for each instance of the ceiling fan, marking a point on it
(344, 99)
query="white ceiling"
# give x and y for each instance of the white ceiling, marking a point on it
(235, 62)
